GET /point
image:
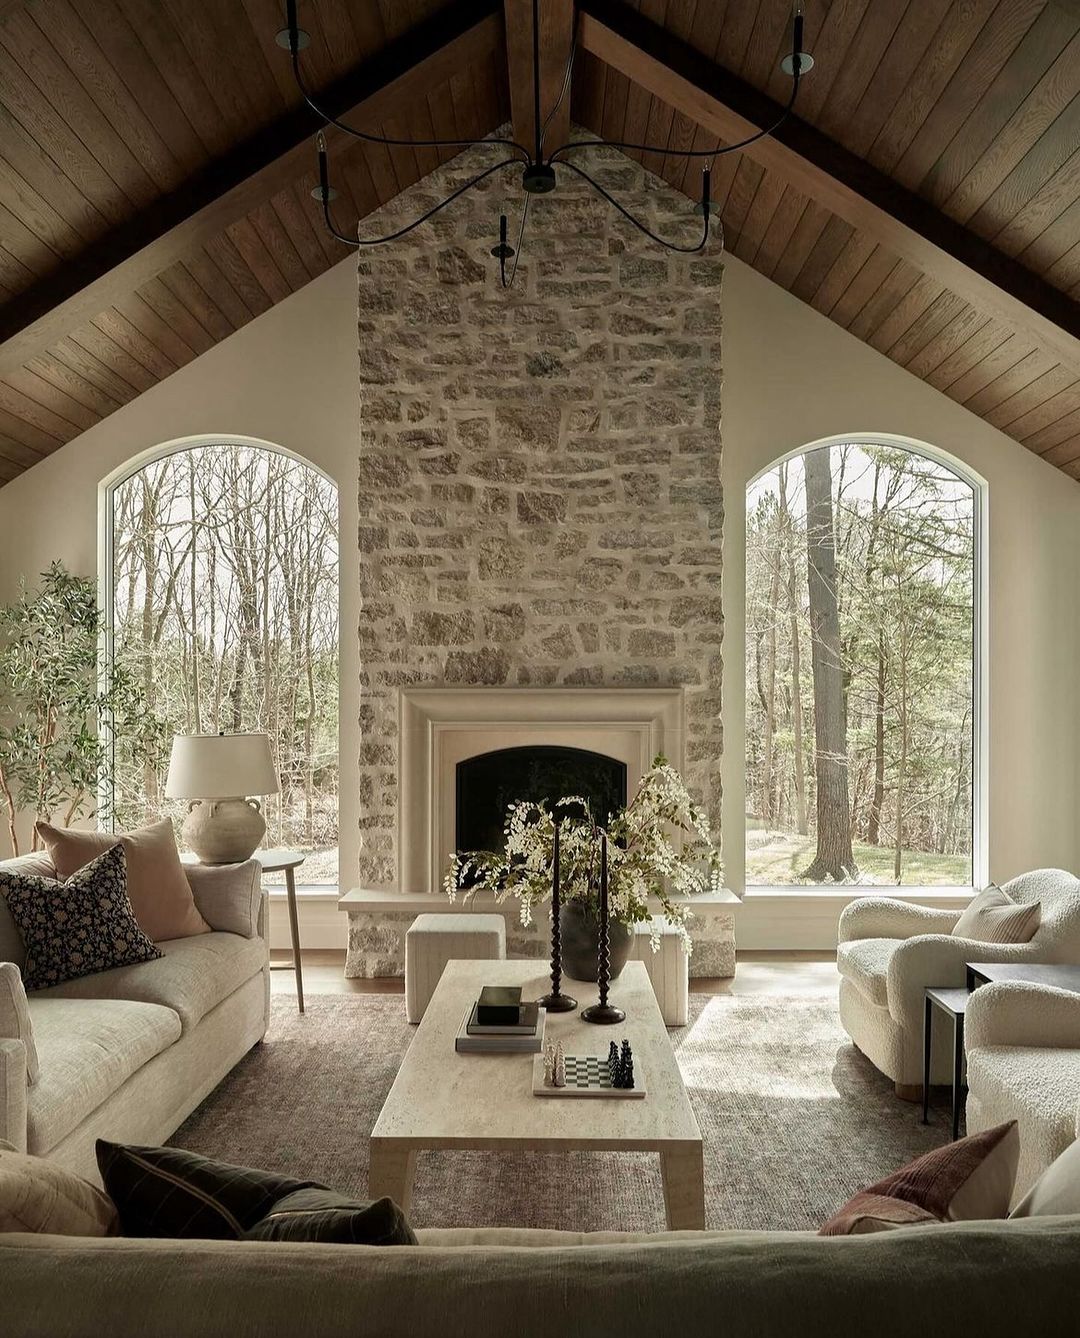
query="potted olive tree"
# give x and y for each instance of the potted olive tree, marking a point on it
(644, 860)
(53, 697)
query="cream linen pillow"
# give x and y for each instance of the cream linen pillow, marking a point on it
(156, 883)
(1056, 1193)
(37, 1195)
(15, 1023)
(993, 918)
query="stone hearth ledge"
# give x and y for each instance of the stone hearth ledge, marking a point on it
(378, 920)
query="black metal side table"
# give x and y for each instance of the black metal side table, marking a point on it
(953, 1003)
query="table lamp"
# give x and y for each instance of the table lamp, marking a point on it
(217, 773)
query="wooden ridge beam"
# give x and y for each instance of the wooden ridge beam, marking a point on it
(556, 37)
(453, 40)
(824, 171)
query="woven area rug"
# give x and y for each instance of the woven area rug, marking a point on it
(794, 1120)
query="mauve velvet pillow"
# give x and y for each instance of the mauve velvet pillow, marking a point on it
(157, 885)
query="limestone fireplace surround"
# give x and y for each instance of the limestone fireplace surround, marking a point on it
(442, 726)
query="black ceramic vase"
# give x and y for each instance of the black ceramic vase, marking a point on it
(580, 933)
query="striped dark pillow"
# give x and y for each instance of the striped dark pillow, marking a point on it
(170, 1193)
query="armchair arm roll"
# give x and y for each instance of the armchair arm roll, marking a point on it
(938, 959)
(888, 917)
(1016, 1012)
(229, 896)
(13, 1093)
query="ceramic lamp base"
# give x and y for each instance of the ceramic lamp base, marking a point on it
(224, 831)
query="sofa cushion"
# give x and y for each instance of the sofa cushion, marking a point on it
(159, 890)
(15, 1023)
(87, 1049)
(78, 927)
(318, 1214)
(192, 976)
(865, 962)
(38, 1195)
(970, 1179)
(1056, 1193)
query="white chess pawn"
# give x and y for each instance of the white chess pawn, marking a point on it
(560, 1065)
(549, 1064)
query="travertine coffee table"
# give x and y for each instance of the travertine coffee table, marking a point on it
(441, 1099)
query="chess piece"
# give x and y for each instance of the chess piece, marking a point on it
(560, 1065)
(549, 1064)
(613, 1064)
(626, 1067)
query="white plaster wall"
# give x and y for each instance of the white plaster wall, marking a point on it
(790, 377)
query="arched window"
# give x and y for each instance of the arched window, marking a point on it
(221, 585)
(862, 729)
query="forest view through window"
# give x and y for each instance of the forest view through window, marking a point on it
(225, 605)
(860, 598)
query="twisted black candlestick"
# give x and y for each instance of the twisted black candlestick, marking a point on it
(603, 1012)
(556, 1001)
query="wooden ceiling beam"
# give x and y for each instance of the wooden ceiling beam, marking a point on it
(824, 171)
(456, 38)
(556, 39)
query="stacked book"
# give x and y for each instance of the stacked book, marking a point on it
(499, 1023)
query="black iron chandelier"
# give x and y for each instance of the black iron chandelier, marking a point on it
(537, 167)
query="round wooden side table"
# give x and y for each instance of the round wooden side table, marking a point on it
(287, 862)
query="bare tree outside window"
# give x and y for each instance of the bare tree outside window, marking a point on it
(860, 567)
(225, 606)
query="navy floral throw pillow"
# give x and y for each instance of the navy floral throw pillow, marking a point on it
(77, 927)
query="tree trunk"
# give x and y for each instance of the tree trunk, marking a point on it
(873, 824)
(767, 769)
(834, 858)
(796, 661)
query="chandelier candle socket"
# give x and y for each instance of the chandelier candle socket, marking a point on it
(556, 1001)
(217, 772)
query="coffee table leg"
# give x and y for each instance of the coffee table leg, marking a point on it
(390, 1173)
(683, 1171)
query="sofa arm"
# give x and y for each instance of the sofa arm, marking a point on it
(13, 1093)
(938, 959)
(1016, 1012)
(229, 896)
(888, 917)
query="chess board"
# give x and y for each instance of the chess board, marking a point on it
(586, 1075)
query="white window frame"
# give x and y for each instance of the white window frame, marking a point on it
(106, 554)
(980, 740)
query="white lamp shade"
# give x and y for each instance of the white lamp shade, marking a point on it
(220, 766)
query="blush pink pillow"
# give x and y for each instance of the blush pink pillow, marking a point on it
(157, 885)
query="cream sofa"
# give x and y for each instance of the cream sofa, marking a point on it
(996, 1280)
(127, 1054)
(1023, 1060)
(890, 951)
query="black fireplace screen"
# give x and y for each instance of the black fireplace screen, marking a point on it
(488, 784)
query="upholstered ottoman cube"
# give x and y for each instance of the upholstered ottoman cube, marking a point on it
(668, 968)
(435, 939)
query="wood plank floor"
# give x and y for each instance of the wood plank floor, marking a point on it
(810, 974)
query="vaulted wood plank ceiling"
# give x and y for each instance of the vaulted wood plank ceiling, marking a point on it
(156, 170)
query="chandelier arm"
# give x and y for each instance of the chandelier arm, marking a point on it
(401, 232)
(682, 153)
(294, 52)
(711, 154)
(660, 241)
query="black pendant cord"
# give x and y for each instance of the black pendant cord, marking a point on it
(294, 51)
(324, 191)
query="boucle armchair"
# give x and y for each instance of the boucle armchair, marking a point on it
(889, 951)
(1023, 1058)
